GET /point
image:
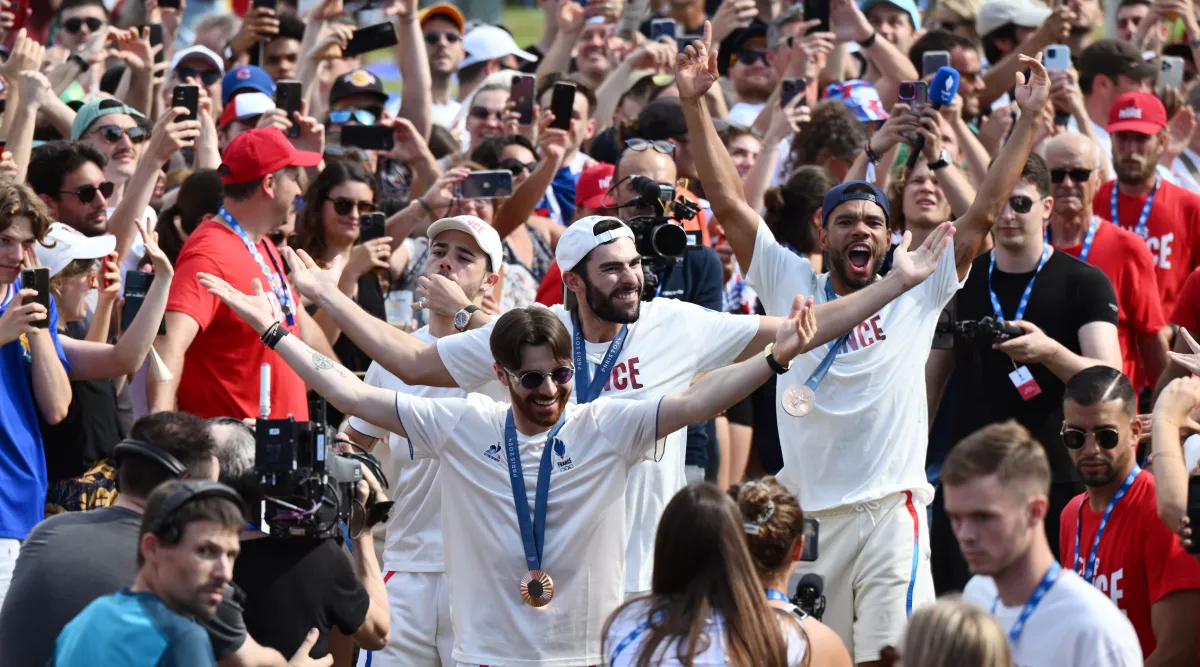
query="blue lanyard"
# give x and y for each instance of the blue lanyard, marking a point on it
(533, 532)
(274, 278)
(1089, 570)
(1087, 240)
(1014, 632)
(773, 594)
(1028, 288)
(834, 347)
(1141, 223)
(587, 387)
(632, 636)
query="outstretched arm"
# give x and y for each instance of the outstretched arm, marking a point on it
(1174, 412)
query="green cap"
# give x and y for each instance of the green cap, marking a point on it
(94, 109)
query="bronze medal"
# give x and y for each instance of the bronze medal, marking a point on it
(537, 588)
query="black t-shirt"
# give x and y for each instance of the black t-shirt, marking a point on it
(294, 585)
(1067, 295)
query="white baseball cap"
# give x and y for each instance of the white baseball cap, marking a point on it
(484, 234)
(488, 42)
(199, 52)
(581, 238)
(995, 14)
(68, 245)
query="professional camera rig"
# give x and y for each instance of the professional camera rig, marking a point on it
(660, 241)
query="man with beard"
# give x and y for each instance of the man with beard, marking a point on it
(1110, 535)
(69, 179)
(1077, 230)
(744, 60)
(593, 60)
(582, 456)
(868, 392)
(443, 25)
(214, 360)
(186, 548)
(1088, 15)
(1109, 69)
(1165, 215)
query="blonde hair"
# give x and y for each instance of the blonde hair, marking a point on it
(950, 633)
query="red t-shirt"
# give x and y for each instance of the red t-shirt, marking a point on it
(1139, 561)
(1187, 306)
(221, 368)
(1127, 262)
(1173, 229)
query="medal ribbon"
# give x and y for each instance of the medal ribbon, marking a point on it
(633, 635)
(1087, 240)
(773, 594)
(1028, 288)
(1089, 571)
(533, 532)
(1140, 230)
(1014, 633)
(274, 278)
(587, 387)
(834, 346)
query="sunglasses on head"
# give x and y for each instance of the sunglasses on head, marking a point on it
(483, 113)
(208, 78)
(74, 25)
(432, 37)
(343, 116)
(343, 205)
(661, 145)
(1075, 438)
(516, 166)
(86, 193)
(533, 379)
(1020, 203)
(1077, 175)
(748, 57)
(112, 133)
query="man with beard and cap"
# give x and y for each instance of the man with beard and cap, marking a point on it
(1165, 215)
(1109, 69)
(1111, 535)
(744, 60)
(868, 391)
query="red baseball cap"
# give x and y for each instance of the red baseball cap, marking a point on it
(261, 151)
(1137, 112)
(593, 184)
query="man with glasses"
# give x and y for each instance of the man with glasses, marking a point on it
(69, 178)
(1076, 229)
(442, 25)
(356, 98)
(743, 58)
(77, 21)
(203, 67)
(1111, 535)
(111, 127)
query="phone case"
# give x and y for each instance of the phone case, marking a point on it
(370, 137)
(370, 38)
(523, 90)
(186, 96)
(562, 103)
(38, 279)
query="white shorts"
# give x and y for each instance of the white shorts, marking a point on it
(421, 632)
(9, 549)
(874, 557)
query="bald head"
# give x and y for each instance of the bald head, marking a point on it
(1072, 150)
(1074, 162)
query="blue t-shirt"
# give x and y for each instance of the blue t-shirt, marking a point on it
(22, 459)
(128, 629)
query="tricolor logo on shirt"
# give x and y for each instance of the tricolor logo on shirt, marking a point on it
(564, 462)
(493, 453)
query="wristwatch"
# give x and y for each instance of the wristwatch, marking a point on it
(463, 317)
(942, 161)
(779, 368)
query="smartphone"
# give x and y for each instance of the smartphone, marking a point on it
(812, 534)
(156, 39)
(371, 38)
(1171, 73)
(137, 284)
(370, 137)
(38, 279)
(522, 93)
(269, 4)
(914, 92)
(789, 89)
(1057, 58)
(662, 28)
(819, 10)
(370, 226)
(1062, 118)
(486, 185)
(1193, 512)
(562, 103)
(168, 4)
(287, 97)
(186, 95)
(932, 60)
(355, 6)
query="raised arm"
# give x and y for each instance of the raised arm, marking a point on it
(570, 17)
(784, 122)
(950, 178)
(998, 78)
(416, 100)
(850, 24)
(1174, 414)
(657, 56)
(552, 148)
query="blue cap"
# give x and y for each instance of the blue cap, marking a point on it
(853, 191)
(907, 5)
(245, 78)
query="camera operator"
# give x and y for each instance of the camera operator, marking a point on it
(295, 583)
(1053, 316)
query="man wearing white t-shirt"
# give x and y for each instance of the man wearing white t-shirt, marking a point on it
(853, 423)
(465, 251)
(997, 486)
(528, 587)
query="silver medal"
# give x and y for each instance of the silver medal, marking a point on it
(798, 400)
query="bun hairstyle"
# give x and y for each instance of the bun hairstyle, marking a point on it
(772, 519)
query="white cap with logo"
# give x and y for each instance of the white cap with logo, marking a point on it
(483, 233)
(69, 245)
(581, 238)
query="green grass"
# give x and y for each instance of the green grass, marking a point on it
(525, 24)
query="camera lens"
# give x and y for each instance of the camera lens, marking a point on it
(668, 240)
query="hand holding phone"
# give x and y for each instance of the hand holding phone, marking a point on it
(287, 98)
(522, 94)
(38, 279)
(789, 89)
(188, 96)
(914, 92)
(371, 38)
(562, 104)
(486, 185)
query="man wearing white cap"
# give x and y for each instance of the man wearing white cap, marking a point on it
(242, 113)
(489, 49)
(204, 67)
(464, 254)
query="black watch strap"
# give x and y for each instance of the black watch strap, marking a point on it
(776, 367)
(471, 309)
(275, 333)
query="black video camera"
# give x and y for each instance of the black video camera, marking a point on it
(659, 241)
(987, 330)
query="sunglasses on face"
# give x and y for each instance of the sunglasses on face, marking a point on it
(208, 78)
(86, 193)
(433, 37)
(482, 113)
(749, 57)
(661, 145)
(343, 116)
(74, 25)
(343, 205)
(112, 133)
(1020, 203)
(1106, 436)
(533, 379)
(1077, 175)
(516, 166)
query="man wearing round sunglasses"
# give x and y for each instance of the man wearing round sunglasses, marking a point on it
(77, 21)
(442, 25)
(1111, 535)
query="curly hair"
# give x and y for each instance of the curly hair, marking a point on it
(832, 128)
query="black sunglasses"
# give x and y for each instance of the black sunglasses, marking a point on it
(533, 379)
(1106, 436)
(516, 166)
(482, 113)
(661, 145)
(86, 193)
(343, 205)
(1021, 203)
(432, 37)
(73, 25)
(748, 57)
(1077, 175)
(112, 133)
(207, 78)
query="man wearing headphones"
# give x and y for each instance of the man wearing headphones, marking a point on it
(186, 547)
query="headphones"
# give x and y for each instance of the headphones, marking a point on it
(152, 452)
(190, 490)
